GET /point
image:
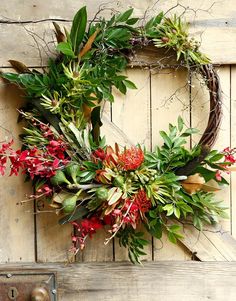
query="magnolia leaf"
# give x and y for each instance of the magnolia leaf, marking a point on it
(211, 186)
(78, 29)
(59, 34)
(19, 67)
(193, 183)
(89, 43)
(195, 179)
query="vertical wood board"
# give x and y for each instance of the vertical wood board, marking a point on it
(17, 221)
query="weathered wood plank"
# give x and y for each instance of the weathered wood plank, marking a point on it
(233, 144)
(53, 240)
(167, 104)
(131, 113)
(212, 244)
(38, 10)
(162, 281)
(205, 19)
(17, 221)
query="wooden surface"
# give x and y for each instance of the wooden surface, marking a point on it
(162, 95)
(159, 281)
(17, 230)
(233, 142)
(207, 17)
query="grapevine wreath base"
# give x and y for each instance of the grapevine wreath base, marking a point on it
(90, 184)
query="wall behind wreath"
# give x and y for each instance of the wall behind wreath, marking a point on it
(162, 95)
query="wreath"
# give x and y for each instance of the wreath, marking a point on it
(90, 184)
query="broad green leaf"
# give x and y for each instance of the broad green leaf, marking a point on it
(66, 48)
(166, 139)
(174, 228)
(78, 29)
(172, 237)
(123, 17)
(132, 21)
(189, 132)
(129, 84)
(206, 173)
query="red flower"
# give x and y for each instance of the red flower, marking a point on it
(99, 154)
(141, 200)
(88, 226)
(218, 176)
(131, 158)
(45, 190)
(229, 155)
(132, 211)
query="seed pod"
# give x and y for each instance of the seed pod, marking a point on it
(54, 102)
(72, 170)
(59, 178)
(69, 204)
(102, 193)
(165, 40)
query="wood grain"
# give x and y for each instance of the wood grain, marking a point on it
(158, 281)
(205, 17)
(53, 240)
(136, 126)
(171, 102)
(17, 221)
(233, 144)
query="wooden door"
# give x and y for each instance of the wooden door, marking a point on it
(35, 243)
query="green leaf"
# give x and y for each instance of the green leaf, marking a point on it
(154, 22)
(197, 222)
(132, 21)
(66, 48)
(206, 173)
(129, 84)
(174, 228)
(123, 17)
(166, 139)
(172, 237)
(177, 212)
(216, 157)
(78, 214)
(78, 29)
(180, 124)
(189, 132)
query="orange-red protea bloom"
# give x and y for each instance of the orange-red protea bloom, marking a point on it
(142, 201)
(131, 158)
